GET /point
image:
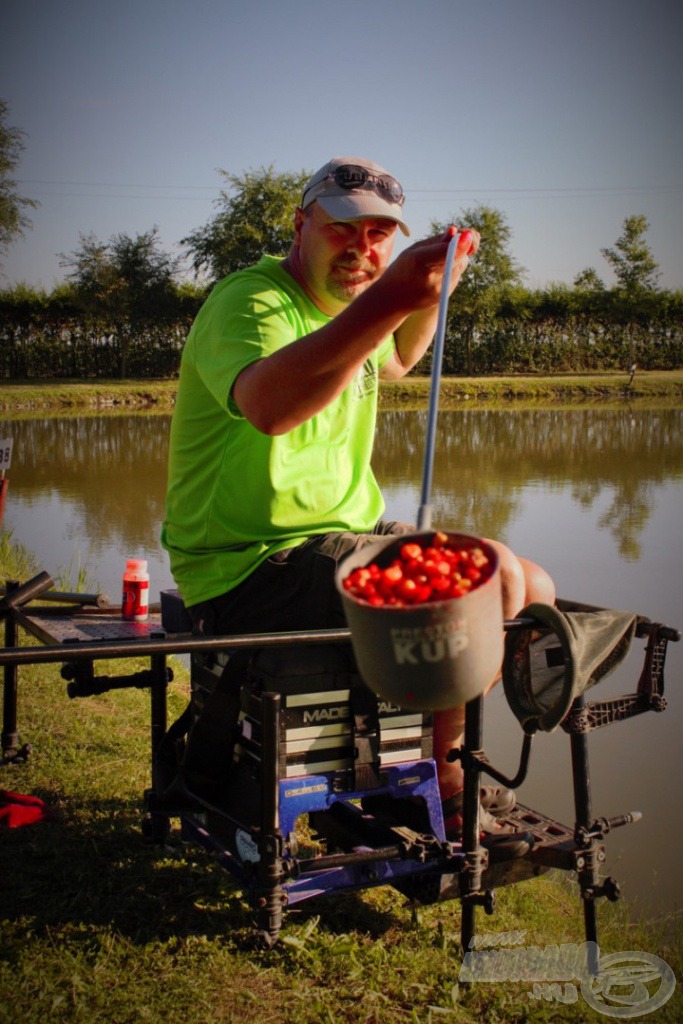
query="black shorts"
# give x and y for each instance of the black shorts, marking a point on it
(292, 590)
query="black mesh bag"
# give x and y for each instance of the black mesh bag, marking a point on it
(572, 648)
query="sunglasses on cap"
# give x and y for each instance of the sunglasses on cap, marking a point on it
(353, 177)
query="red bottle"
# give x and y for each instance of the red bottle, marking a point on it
(135, 601)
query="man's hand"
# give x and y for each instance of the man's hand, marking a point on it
(416, 333)
(415, 279)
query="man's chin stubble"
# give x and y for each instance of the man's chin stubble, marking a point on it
(346, 292)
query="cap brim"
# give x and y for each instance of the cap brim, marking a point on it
(351, 207)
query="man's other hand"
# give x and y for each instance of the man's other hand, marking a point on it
(415, 279)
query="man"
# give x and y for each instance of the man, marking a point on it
(269, 473)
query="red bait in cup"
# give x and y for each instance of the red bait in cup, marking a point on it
(426, 619)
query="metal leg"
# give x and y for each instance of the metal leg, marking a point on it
(158, 700)
(157, 825)
(269, 894)
(10, 736)
(470, 878)
(587, 858)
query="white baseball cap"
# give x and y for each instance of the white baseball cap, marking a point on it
(348, 187)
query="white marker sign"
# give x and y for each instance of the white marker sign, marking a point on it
(5, 453)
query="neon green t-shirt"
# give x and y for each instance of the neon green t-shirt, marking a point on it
(235, 495)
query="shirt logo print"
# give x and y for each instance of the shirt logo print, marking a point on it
(366, 379)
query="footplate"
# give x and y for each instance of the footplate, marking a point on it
(554, 847)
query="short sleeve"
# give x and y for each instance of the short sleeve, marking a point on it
(244, 320)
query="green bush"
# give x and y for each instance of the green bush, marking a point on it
(556, 330)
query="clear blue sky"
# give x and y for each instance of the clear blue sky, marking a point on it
(564, 114)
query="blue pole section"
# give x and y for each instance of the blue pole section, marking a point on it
(424, 517)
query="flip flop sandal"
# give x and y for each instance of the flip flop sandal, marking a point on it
(509, 846)
(488, 824)
(502, 841)
(497, 800)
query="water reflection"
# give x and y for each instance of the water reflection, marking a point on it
(110, 471)
(485, 459)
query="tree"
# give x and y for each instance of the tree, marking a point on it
(636, 273)
(255, 217)
(490, 273)
(13, 219)
(631, 259)
(124, 281)
(588, 281)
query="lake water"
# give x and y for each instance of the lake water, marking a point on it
(594, 495)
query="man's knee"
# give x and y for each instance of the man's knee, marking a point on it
(511, 578)
(539, 585)
(522, 581)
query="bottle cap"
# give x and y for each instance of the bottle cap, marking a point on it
(136, 565)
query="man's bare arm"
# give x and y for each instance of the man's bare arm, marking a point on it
(278, 393)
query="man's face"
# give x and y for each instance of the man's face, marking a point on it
(339, 260)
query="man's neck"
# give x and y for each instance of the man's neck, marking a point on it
(292, 264)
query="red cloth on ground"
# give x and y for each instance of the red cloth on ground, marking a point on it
(16, 809)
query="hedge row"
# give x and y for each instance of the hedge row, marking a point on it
(39, 347)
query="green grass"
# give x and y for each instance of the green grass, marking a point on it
(76, 396)
(16, 561)
(19, 564)
(98, 926)
(411, 392)
(454, 392)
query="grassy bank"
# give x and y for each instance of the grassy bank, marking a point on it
(75, 396)
(99, 927)
(412, 392)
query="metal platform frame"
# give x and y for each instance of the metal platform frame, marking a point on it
(421, 863)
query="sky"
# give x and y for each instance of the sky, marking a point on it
(563, 114)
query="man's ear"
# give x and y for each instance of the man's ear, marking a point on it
(299, 218)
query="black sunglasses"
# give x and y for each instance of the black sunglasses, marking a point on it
(353, 176)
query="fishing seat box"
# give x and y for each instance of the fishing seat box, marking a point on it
(329, 719)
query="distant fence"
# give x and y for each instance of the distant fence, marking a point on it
(576, 344)
(37, 347)
(46, 347)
